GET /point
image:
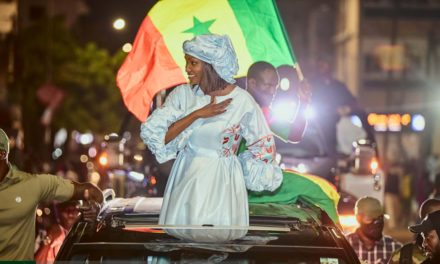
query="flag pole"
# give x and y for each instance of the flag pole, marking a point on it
(289, 45)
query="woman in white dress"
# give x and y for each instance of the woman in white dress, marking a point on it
(201, 125)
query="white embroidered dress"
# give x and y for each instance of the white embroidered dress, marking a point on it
(207, 184)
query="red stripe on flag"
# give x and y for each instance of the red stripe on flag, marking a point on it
(147, 69)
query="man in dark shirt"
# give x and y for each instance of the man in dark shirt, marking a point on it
(429, 228)
(329, 95)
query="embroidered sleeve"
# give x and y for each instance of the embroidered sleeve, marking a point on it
(153, 131)
(259, 168)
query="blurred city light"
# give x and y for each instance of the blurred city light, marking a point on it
(90, 165)
(138, 157)
(92, 152)
(136, 176)
(85, 138)
(111, 135)
(119, 24)
(418, 123)
(95, 177)
(374, 165)
(46, 211)
(39, 212)
(60, 137)
(127, 47)
(153, 180)
(83, 158)
(103, 159)
(355, 120)
(57, 153)
(394, 122)
(406, 119)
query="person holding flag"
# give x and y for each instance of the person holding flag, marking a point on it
(262, 83)
(202, 123)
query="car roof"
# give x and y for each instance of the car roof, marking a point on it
(149, 207)
(129, 224)
(297, 221)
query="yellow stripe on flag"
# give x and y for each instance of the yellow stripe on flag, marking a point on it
(173, 17)
(325, 186)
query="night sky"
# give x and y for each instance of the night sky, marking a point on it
(97, 26)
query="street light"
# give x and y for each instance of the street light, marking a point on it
(119, 24)
(127, 47)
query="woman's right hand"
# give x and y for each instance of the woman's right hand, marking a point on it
(213, 109)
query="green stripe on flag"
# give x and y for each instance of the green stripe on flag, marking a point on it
(295, 186)
(263, 30)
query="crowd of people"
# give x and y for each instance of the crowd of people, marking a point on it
(222, 137)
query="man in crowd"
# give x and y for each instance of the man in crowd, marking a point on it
(368, 240)
(20, 193)
(429, 228)
(329, 95)
(67, 214)
(413, 252)
(262, 83)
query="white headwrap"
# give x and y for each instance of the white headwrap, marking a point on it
(216, 50)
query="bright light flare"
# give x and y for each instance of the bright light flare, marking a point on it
(119, 24)
(284, 84)
(374, 165)
(310, 113)
(348, 223)
(85, 138)
(284, 111)
(103, 159)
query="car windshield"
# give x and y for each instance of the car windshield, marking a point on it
(191, 256)
(312, 145)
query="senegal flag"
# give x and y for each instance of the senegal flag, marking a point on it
(157, 62)
(305, 187)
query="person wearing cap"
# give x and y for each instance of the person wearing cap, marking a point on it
(368, 240)
(413, 252)
(429, 228)
(201, 125)
(21, 192)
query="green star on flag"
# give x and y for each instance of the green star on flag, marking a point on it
(156, 61)
(200, 28)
